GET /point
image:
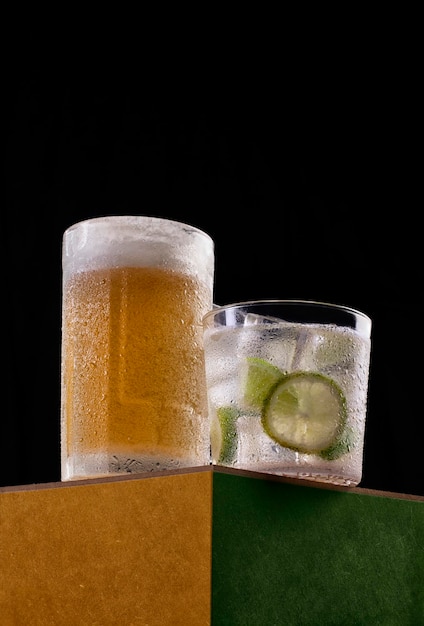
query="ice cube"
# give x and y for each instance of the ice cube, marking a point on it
(252, 319)
(267, 338)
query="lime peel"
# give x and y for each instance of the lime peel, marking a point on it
(342, 445)
(224, 434)
(261, 376)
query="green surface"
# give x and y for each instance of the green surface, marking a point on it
(289, 555)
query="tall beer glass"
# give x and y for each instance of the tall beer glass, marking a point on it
(133, 391)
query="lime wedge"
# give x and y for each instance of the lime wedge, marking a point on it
(306, 412)
(343, 444)
(261, 376)
(224, 434)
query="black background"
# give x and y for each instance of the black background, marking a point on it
(311, 188)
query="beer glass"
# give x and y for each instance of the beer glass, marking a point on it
(133, 391)
(288, 384)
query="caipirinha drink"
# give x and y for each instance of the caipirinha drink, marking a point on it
(287, 384)
(135, 289)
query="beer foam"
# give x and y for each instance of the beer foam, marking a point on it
(137, 241)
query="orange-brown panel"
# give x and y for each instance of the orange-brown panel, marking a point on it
(131, 552)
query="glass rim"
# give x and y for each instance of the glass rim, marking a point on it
(128, 217)
(217, 308)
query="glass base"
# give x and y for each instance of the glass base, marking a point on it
(102, 465)
(319, 475)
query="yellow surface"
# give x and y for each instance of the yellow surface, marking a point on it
(128, 552)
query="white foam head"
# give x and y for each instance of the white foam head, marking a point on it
(137, 241)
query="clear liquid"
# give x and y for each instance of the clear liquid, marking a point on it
(339, 353)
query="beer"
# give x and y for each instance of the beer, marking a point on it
(133, 381)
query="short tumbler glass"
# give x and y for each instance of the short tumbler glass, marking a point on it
(287, 388)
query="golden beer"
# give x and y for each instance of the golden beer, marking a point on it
(133, 379)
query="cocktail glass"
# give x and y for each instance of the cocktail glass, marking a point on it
(287, 388)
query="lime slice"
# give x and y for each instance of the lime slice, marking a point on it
(306, 412)
(224, 435)
(261, 376)
(342, 445)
